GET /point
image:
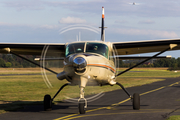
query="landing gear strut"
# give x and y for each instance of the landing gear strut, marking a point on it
(48, 100)
(135, 98)
(82, 102)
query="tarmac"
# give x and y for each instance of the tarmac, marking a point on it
(159, 100)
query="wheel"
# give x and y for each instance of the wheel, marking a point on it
(136, 101)
(47, 103)
(82, 107)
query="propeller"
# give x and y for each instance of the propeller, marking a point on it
(51, 58)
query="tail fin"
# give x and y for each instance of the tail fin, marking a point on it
(102, 26)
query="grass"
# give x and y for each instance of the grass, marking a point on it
(19, 90)
(174, 117)
(151, 74)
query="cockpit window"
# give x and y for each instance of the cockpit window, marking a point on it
(74, 48)
(98, 48)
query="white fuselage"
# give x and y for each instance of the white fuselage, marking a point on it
(89, 68)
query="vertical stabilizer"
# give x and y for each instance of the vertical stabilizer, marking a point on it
(102, 26)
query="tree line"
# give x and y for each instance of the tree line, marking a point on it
(171, 63)
(9, 60)
(12, 61)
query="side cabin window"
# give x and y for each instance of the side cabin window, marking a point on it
(74, 48)
(98, 48)
(111, 56)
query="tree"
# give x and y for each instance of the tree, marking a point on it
(178, 62)
(8, 64)
(2, 63)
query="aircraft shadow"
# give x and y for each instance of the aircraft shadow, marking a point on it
(17, 105)
(37, 106)
(177, 86)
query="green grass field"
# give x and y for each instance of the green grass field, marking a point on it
(17, 90)
(174, 117)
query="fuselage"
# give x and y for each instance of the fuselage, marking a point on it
(89, 63)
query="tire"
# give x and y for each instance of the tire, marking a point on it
(81, 107)
(136, 101)
(47, 103)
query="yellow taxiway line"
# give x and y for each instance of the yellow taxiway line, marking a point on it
(73, 116)
(103, 114)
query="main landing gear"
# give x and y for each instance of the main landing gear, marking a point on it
(82, 101)
(135, 98)
(136, 101)
(47, 103)
(48, 100)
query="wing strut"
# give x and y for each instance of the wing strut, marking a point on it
(171, 46)
(9, 51)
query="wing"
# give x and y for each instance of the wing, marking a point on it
(127, 48)
(33, 48)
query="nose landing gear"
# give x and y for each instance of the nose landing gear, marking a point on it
(82, 106)
(82, 102)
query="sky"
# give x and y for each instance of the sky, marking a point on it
(61, 21)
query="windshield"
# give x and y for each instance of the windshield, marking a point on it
(98, 48)
(74, 48)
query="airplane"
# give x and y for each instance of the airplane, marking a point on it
(91, 62)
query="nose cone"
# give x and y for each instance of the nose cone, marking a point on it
(79, 64)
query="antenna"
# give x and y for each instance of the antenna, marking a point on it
(79, 36)
(102, 26)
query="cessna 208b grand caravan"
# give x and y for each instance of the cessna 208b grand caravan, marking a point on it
(91, 63)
